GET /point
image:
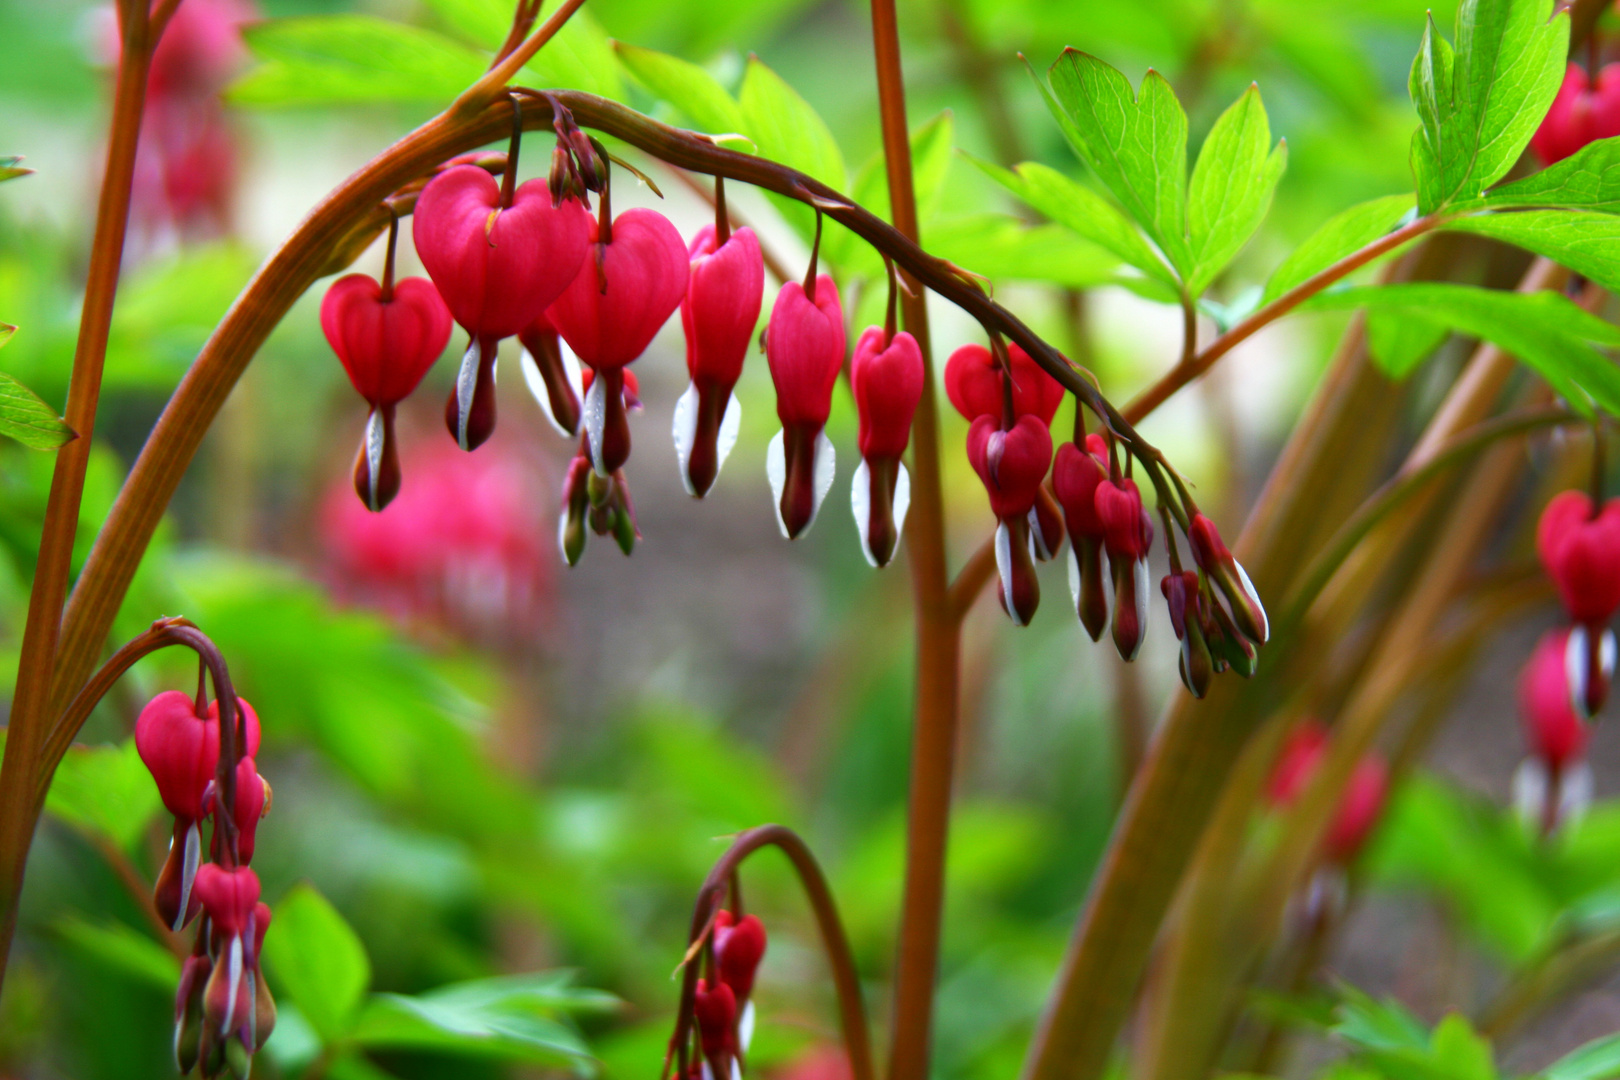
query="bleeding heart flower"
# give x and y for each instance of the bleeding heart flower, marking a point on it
(498, 268)
(1581, 113)
(739, 946)
(1012, 465)
(1359, 810)
(1580, 550)
(973, 382)
(715, 1009)
(804, 344)
(237, 922)
(1127, 536)
(1075, 476)
(609, 314)
(1553, 784)
(1210, 553)
(251, 804)
(1188, 618)
(719, 313)
(388, 336)
(886, 376)
(1297, 762)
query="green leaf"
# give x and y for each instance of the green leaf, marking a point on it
(105, 790)
(1586, 180)
(24, 417)
(6, 330)
(1368, 1024)
(1231, 188)
(1082, 210)
(352, 59)
(317, 961)
(1135, 143)
(1546, 330)
(931, 146)
(1587, 243)
(484, 23)
(786, 128)
(688, 87)
(1479, 106)
(501, 1018)
(123, 949)
(1343, 234)
(1399, 341)
(12, 167)
(1596, 1060)
(578, 57)
(1003, 248)
(1461, 1051)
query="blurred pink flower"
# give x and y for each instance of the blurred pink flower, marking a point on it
(463, 545)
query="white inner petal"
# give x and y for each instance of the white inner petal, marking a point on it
(826, 466)
(595, 421)
(188, 873)
(745, 1027)
(537, 389)
(1254, 598)
(684, 430)
(1037, 539)
(1530, 790)
(1575, 793)
(233, 980)
(730, 425)
(1575, 649)
(860, 503)
(1074, 575)
(1140, 569)
(776, 473)
(1004, 569)
(902, 501)
(1606, 654)
(466, 384)
(374, 453)
(562, 532)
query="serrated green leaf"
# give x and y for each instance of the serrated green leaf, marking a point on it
(1586, 180)
(317, 961)
(12, 167)
(1545, 330)
(26, 418)
(1231, 188)
(1399, 340)
(1341, 235)
(578, 57)
(1082, 210)
(1136, 143)
(1003, 248)
(1479, 106)
(688, 87)
(352, 59)
(105, 790)
(1596, 1060)
(1587, 243)
(122, 948)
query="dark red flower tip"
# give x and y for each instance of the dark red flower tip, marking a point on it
(725, 290)
(1555, 731)
(887, 382)
(1127, 529)
(715, 1009)
(625, 290)
(497, 269)
(973, 384)
(1075, 476)
(386, 344)
(1581, 553)
(804, 344)
(739, 946)
(1583, 112)
(1011, 464)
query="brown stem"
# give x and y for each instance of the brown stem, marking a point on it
(493, 84)
(19, 773)
(846, 979)
(939, 642)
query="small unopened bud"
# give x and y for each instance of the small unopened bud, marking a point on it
(1196, 665)
(1227, 574)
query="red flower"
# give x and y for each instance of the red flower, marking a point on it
(886, 377)
(739, 946)
(1297, 762)
(237, 922)
(719, 313)
(1127, 536)
(1359, 810)
(1580, 114)
(804, 344)
(715, 1009)
(1581, 553)
(973, 382)
(1075, 476)
(1012, 465)
(1210, 553)
(498, 268)
(1555, 731)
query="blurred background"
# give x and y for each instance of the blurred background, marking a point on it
(488, 763)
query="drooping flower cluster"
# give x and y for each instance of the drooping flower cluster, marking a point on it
(722, 1005)
(1586, 109)
(1360, 806)
(1578, 541)
(223, 1010)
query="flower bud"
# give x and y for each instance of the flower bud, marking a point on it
(1012, 465)
(721, 308)
(174, 893)
(552, 373)
(386, 343)
(1046, 525)
(1227, 574)
(1360, 807)
(1583, 112)
(1554, 728)
(1127, 536)
(804, 344)
(1075, 476)
(973, 382)
(252, 803)
(1187, 618)
(886, 378)
(188, 1011)
(715, 1009)
(230, 1010)
(609, 314)
(571, 533)
(739, 946)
